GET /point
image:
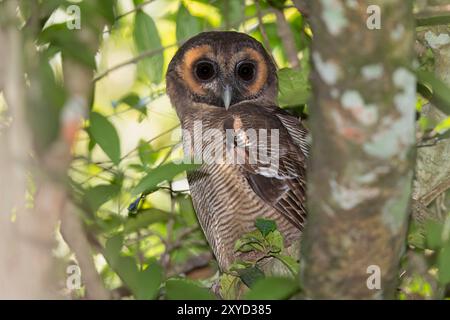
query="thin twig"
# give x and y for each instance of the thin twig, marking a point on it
(138, 7)
(133, 60)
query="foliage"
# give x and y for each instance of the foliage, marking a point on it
(136, 206)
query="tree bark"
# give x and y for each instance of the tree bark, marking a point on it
(361, 166)
(26, 234)
(432, 179)
(27, 230)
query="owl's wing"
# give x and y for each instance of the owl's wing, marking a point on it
(296, 130)
(283, 188)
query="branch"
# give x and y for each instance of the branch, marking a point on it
(287, 38)
(75, 236)
(26, 241)
(133, 60)
(138, 7)
(262, 29)
(433, 15)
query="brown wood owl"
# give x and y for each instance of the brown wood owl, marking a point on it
(227, 83)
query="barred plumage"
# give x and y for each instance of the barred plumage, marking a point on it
(228, 197)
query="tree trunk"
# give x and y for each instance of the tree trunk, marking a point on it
(433, 162)
(361, 166)
(26, 235)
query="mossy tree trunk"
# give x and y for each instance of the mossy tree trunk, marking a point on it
(361, 166)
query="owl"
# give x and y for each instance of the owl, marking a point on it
(225, 83)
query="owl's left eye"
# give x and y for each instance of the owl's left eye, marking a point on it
(205, 70)
(246, 70)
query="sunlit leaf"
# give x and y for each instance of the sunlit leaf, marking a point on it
(232, 10)
(134, 102)
(186, 209)
(98, 195)
(145, 218)
(149, 281)
(187, 24)
(275, 240)
(294, 88)
(146, 153)
(440, 91)
(106, 136)
(66, 41)
(144, 284)
(229, 286)
(146, 37)
(252, 241)
(162, 173)
(112, 248)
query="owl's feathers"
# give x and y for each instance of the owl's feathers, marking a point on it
(227, 81)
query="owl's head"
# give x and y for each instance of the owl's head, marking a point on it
(221, 69)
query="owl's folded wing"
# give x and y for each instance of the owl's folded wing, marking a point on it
(283, 185)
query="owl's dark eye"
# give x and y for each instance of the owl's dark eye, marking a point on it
(205, 70)
(246, 71)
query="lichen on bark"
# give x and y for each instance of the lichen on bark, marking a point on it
(361, 164)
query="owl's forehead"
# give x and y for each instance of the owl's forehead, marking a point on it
(223, 54)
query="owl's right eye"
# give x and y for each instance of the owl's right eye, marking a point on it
(205, 70)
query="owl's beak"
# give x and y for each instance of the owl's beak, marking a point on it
(226, 96)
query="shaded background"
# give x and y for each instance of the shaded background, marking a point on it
(133, 232)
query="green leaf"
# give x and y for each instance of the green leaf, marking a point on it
(441, 92)
(250, 275)
(416, 235)
(144, 284)
(186, 209)
(145, 218)
(98, 195)
(291, 263)
(443, 264)
(433, 20)
(275, 241)
(187, 24)
(273, 289)
(265, 226)
(233, 12)
(106, 136)
(229, 286)
(164, 172)
(146, 38)
(106, 9)
(112, 248)
(146, 153)
(180, 289)
(433, 232)
(278, 4)
(294, 88)
(67, 41)
(252, 241)
(149, 281)
(127, 270)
